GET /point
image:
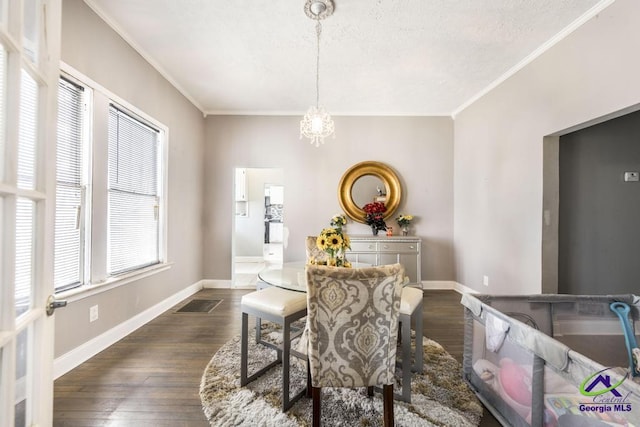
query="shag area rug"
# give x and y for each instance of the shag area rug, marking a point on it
(439, 396)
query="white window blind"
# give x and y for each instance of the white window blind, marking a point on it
(70, 208)
(133, 194)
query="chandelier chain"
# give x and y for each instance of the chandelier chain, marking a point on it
(318, 32)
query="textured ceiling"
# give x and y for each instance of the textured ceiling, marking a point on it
(378, 57)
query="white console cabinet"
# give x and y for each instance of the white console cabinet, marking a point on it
(381, 250)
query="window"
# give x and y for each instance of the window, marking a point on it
(133, 230)
(109, 176)
(71, 206)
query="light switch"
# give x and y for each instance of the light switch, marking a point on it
(631, 176)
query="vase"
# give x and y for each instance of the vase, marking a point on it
(405, 230)
(374, 230)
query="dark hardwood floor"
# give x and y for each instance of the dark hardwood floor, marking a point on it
(152, 377)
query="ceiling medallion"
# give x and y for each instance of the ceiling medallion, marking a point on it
(318, 9)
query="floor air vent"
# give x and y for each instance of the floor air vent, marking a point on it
(200, 306)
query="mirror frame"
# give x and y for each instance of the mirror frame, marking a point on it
(384, 173)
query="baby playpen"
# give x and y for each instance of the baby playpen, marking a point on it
(554, 360)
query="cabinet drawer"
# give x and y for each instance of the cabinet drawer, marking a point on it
(363, 247)
(404, 247)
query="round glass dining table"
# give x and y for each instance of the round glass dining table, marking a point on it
(290, 276)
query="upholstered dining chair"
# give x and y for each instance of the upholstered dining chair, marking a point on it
(313, 252)
(352, 321)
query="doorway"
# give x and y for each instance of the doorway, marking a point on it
(599, 189)
(589, 228)
(259, 236)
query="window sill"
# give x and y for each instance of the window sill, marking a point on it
(92, 289)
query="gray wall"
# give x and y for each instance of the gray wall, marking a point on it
(598, 224)
(419, 149)
(94, 49)
(498, 155)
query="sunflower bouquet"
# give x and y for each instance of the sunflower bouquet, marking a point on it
(335, 243)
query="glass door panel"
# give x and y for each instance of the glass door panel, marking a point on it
(28, 132)
(21, 403)
(3, 112)
(24, 255)
(3, 13)
(30, 29)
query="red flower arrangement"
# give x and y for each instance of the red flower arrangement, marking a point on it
(374, 208)
(375, 216)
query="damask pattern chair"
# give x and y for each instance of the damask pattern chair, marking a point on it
(352, 320)
(313, 252)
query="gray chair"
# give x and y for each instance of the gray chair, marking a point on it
(353, 330)
(410, 315)
(280, 306)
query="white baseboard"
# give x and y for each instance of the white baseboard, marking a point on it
(84, 352)
(587, 327)
(248, 259)
(447, 284)
(460, 288)
(217, 284)
(438, 284)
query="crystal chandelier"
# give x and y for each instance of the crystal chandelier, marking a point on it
(317, 123)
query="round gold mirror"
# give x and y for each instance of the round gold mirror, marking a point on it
(367, 182)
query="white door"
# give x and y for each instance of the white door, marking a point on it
(29, 69)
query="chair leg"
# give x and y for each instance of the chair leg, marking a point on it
(406, 360)
(289, 400)
(286, 347)
(245, 378)
(419, 356)
(316, 396)
(244, 347)
(258, 329)
(387, 391)
(308, 394)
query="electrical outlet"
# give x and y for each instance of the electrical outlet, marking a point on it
(93, 313)
(485, 280)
